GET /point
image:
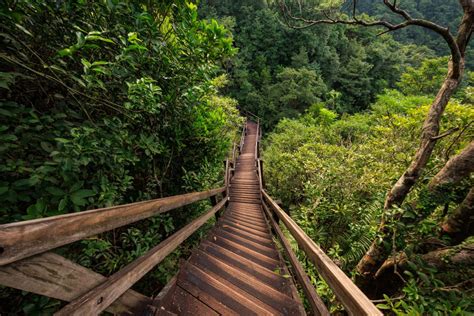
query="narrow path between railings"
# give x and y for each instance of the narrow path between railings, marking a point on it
(237, 269)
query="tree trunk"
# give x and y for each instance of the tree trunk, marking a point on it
(430, 130)
(457, 168)
(443, 258)
(377, 253)
(460, 224)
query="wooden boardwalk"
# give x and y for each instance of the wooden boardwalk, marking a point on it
(237, 269)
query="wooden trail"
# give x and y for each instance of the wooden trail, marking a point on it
(237, 269)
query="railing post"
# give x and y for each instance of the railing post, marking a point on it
(226, 178)
(353, 299)
(214, 203)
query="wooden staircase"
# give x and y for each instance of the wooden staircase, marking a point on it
(237, 269)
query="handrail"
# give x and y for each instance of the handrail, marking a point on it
(23, 239)
(259, 176)
(242, 136)
(52, 275)
(353, 299)
(317, 305)
(98, 299)
(26, 264)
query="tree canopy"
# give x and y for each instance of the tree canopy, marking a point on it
(367, 110)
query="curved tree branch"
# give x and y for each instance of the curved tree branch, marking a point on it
(377, 254)
(354, 20)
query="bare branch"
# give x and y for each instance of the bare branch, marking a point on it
(444, 32)
(393, 7)
(447, 133)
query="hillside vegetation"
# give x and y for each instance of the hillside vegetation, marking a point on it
(105, 103)
(368, 131)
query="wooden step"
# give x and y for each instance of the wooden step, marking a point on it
(263, 274)
(217, 294)
(246, 282)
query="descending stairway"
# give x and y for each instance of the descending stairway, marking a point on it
(237, 269)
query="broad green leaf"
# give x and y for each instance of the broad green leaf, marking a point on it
(56, 191)
(62, 204)
(83, 193)
(25, 183)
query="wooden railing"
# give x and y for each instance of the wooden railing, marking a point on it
(353, 299)
(27, 264)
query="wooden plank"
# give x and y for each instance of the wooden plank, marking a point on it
(173, 299)
(248, 223)
(205, 292)
(27, 238)
(240, 200)
(224, 222)
(255, 218)
(317, 305)
(263, 274)
(221, 295)
(257, 291)
(165, 292)
(353, 299)
(248, 253)
(264, 250)
(184, 304)
(102, 296)
(54, 276)
(258, 221)
(248, 236)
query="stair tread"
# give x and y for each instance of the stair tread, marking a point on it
(232, 272)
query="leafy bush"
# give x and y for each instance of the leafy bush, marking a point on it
(332, 175)
(104, 103)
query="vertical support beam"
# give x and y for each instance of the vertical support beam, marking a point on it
(317, 305)
(226, 178)
(214, 203)
(233, 152)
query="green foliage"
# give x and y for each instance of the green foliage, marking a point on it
(333, 174)
(426, 292)
(295, 90)
(280, 72)
(104, 103)
(425, 80)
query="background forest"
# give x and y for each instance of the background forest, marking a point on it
(345, 106)
(108, 102)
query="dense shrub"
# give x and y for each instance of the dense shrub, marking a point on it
(104, 103)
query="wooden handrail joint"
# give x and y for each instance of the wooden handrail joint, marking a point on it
(98, 299)
(353, 299)
(23, 239)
